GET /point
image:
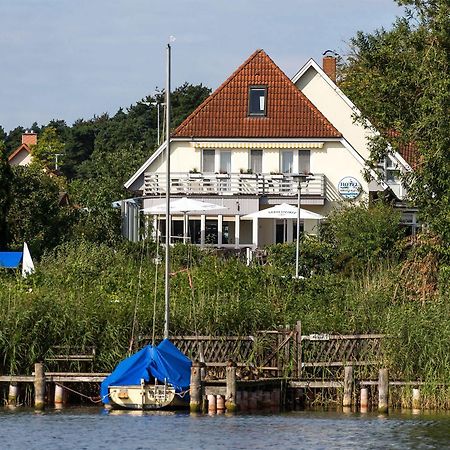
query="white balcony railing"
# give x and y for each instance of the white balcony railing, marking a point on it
(232, 184)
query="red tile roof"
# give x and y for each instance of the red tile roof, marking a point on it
(18, 150)
(224, 114)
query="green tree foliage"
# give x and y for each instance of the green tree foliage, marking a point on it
(47, 150)
(3, 135)
(185, 99)
(361, 235)
(400, 80)
(14, 139)
(34, 215)
(5, 194)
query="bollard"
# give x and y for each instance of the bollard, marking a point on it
(383, 391)
(348, 384)
(230, 398)
(59, 396)
(195, 402)
(220, 404)
(416, 398)
(39, 386)
(364, 400)
(12, 394)
(212, 408)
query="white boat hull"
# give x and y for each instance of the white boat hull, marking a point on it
(145, 397)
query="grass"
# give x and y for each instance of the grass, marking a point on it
(90, 295)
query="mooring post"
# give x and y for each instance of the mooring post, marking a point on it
(383, 391)
(230, 398)
(39, 386)
(416, 398)
(12, 394)
(364, 400)
(196, 387)
(348, 386)
(59, 396)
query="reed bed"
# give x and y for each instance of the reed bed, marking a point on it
(91, 295)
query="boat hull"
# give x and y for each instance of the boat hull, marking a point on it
(146, 397)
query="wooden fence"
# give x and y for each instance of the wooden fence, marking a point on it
(284, 352)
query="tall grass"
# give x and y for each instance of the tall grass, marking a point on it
(90, 295)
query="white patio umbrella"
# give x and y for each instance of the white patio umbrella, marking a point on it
(283, 211)
(184, 206)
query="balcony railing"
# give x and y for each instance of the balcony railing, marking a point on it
(233, 184)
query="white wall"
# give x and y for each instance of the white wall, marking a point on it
(335, 109)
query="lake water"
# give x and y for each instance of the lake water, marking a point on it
(93, 428)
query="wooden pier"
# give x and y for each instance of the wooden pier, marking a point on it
(276, 369)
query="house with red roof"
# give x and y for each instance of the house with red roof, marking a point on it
(21, 156)
(257, 141)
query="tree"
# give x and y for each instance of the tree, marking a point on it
(400, 80)
(47, 150)
(5, 194)
(34, 215)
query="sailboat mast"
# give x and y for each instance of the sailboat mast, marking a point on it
(167, 265)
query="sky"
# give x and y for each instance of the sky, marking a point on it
(74, 59)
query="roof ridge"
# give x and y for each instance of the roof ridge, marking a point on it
(211, 97)
(290, 112)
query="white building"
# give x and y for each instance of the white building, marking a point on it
(244, 145)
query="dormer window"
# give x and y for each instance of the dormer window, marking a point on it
(257, 101)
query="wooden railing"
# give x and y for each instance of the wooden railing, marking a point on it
(233, 184)
(285, 352)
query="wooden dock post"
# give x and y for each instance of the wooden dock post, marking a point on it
(196, 387)
(348, 386)
(12, 394)
(383, 391)
(230, 398)
(39, 386)
(364, 400)
(416, 398)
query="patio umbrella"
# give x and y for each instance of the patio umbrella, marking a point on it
(283, 211)
(184, 206)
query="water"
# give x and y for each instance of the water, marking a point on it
(92, 428)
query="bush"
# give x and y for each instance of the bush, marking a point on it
(362, 234)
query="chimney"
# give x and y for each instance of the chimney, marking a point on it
(329, 66)
(29, 138)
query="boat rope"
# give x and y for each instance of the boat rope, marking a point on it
(92, 399)
(182, 394)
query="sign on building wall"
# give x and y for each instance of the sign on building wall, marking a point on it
(349, 188)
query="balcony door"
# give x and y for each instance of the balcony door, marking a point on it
(208, 161)
(256, 161)
(225, 162)
(287, 162)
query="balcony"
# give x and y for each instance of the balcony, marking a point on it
(232, 184)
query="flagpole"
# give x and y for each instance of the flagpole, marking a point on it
(168, 219)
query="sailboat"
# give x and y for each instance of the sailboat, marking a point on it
(155, 377)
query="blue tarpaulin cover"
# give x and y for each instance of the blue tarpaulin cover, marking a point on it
(10, 260)
(163, 362)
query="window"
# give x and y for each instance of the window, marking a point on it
(208, 163)
(225, 162)
(304, 161)
(256, 161)
(287, 161)
(257, 101)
